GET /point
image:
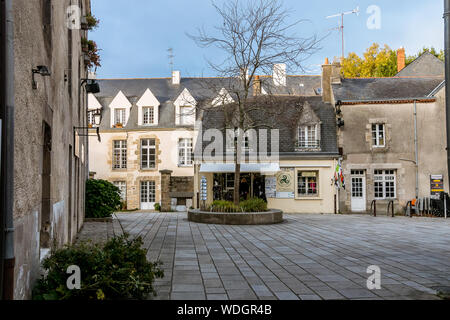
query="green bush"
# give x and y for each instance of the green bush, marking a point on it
(157, 207)
(254, 205)
(102, 199)
(250, 205)
(117, 270)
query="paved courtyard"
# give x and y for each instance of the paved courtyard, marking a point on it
(307, 257)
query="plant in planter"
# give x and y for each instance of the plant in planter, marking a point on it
(89, 22)
(90, 49)
(119, 125)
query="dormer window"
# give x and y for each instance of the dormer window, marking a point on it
(148, 109)
(186, 115)
(308, 137)
(119, 116)
(148, 114)
(120, 110)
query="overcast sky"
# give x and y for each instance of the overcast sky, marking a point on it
(134, 35)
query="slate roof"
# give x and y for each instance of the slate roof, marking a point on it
(426, 65)
(200, 88)
(286, 117)
(374, 89)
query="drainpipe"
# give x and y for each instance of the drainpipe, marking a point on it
(416, 151)
(7, 162)
(447, 79)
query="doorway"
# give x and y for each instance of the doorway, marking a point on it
(148, 195)
(46, 187)
(358, 190)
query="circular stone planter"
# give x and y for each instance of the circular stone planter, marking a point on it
(253, 218)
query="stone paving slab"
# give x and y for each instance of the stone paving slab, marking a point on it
(307, 257)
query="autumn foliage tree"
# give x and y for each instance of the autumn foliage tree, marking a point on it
(376, 62)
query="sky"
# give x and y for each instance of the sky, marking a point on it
(134, 35)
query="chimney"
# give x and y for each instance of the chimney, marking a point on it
(257, 86)
(176, 77)
(401, 59)
(331, 74)
(279, 74)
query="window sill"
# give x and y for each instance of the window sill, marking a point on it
(119, 170)
(308, 198)
(185, 166)
(149, 169)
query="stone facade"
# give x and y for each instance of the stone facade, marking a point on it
(50, 160)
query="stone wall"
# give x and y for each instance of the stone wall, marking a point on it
(50, 162)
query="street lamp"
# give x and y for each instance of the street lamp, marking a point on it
(97, 114)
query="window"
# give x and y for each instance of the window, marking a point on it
(229, 181)
(122, 185)
(148, 154)
(185, 154)
(308, 137)
(378, 135)
(186, 115)
(384, 184)
(148, 114)
(90, 118)
(307, 183)
(119, 116)
(120, 154)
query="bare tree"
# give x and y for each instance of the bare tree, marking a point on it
(255, 35)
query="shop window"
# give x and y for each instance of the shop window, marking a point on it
(307, 183)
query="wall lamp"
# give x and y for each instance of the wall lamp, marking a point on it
(338, 107)
(97, 116)
(92, 86)
(41, 70)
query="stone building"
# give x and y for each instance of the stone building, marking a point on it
(148, 133)
(379, 119)
(50, 156)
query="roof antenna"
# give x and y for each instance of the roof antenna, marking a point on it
(170, 56)
(341, 27)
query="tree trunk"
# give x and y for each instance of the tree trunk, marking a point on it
(237, 182)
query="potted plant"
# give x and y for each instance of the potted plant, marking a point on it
(119, 125)
(84, 45)
(89, 22)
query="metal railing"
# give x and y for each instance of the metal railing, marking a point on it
(391, 206)
(373, 208)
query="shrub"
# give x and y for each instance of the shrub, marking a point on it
(102, 199)
(250, 205)
(117, 270)
(157, 207)
(254, 205)
(224, 206)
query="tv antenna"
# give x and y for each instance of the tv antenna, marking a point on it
(341, 27)
(170, 56)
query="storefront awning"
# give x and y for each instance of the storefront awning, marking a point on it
(263, 168)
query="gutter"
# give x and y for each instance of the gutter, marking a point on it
(389, 101)
(7, 163)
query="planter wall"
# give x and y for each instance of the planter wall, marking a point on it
(257, 218)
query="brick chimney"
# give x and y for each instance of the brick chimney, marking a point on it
(331, 74)
(401, 59)
(257, 86)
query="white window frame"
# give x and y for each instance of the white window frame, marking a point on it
(309, 193)
(150, 120)
(185, 152)
(378, 134)
(304, 136)
(120, 115)
(119, 154)
(148, 147)
(148, 190)
(187, 114)
(384, 177)
(122, 185)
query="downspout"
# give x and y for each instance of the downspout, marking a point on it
(8, 158)
(416, 150)
(447, 80)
